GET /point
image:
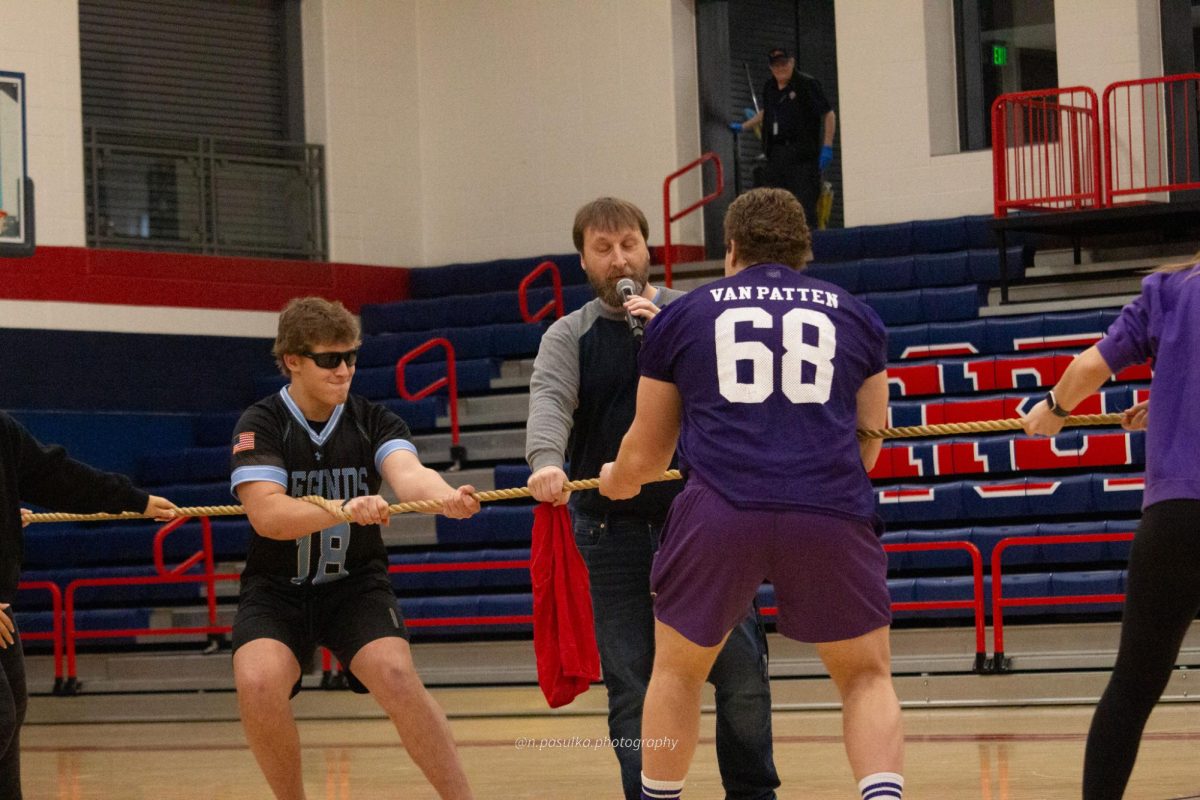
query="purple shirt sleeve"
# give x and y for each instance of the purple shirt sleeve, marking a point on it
(1129, 339)
(656, 359)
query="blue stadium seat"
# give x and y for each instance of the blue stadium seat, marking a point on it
(459, 580)
(939, 235)
(887, 274)
(511, 476)
(837, 244)
(885, 241)
(1067, 584)
(846, 274)
(941, 269)
(490, 276)
(495, 524)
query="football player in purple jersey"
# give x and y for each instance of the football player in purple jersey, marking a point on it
(1162, 593)
(762, 379)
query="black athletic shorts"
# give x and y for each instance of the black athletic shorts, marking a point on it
(343, 616)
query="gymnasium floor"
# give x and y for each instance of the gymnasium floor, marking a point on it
(1030, 753)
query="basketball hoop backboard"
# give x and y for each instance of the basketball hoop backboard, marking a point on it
(16, 190)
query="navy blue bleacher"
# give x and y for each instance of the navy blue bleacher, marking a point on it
(489, 276)
(926, 279)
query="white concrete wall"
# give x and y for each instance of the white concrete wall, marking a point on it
(41, 39)
(361, 77)
(465, 130)
(892, 79)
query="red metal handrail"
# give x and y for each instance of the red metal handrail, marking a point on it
(555, 305)
(976, 603)
(668, 217)
(1046, 150)
(1167, 163)
(117, 633)
(450, 379)
(55, 634)
(999, 602)
(165, 575)
(202, 556)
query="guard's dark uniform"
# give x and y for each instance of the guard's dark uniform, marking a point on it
(793, 131)
(329, 588)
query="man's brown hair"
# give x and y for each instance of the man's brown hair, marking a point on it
(768, 225)
(308, 322)
(608, 214)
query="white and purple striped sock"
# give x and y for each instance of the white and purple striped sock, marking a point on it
(660, 790)
(882, 786)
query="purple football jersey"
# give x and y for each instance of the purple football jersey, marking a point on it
(768, 363)
(1164, 324)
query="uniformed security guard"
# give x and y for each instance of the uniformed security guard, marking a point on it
(797, 135)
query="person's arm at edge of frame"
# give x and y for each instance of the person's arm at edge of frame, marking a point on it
(1083, 376)
(48, 476)
(553, 397)
(649, 444)
(872, 403)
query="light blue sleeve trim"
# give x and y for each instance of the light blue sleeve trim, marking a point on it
(265, 473)
(389, 447)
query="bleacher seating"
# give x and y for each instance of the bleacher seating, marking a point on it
(926, 279)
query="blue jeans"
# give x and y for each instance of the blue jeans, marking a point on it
(619, 551)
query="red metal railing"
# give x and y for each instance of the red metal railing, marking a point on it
(669, 218)
(55, 634)
(555, 305)
(1046, 150)
(450, 380)
(1150, 136)
(165, 576)
(976, 603)
(999, 602)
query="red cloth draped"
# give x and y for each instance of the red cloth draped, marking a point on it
(564, 639)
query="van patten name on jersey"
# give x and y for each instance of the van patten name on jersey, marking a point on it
(334, 484)
(788, 294)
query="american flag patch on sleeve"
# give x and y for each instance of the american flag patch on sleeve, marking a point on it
(245, 441)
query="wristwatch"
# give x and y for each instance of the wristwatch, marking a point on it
(1055, 408)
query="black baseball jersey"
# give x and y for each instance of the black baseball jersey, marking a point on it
(274, 442)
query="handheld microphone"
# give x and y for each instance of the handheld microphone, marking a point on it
(628, 289)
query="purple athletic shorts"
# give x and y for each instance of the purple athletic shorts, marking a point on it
(829, 573)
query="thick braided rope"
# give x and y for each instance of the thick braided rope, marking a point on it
(987, 426)
(334, 507)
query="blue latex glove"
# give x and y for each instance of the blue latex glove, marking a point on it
(825, 157)
(736, 127)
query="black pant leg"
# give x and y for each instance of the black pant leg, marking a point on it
(13, 701)
(1162, 598)
(786, 170)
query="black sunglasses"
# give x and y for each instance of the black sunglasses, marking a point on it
(331, 360)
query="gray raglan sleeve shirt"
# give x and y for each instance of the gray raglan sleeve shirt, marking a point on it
(553, 394)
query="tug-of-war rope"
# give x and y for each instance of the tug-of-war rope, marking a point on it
(334, 507)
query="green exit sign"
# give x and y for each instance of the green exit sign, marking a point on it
(999, 55)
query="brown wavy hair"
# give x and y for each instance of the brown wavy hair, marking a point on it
(769, 225)
(307, 322)
(608, 214)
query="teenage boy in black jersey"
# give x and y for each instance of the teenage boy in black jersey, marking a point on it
(313, 579)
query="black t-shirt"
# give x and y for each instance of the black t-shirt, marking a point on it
(795, 115)
(274, 442)
(44, 475)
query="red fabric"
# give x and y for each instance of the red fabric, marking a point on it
(564, 639)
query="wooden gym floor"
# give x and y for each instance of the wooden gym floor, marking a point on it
(997, 753)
